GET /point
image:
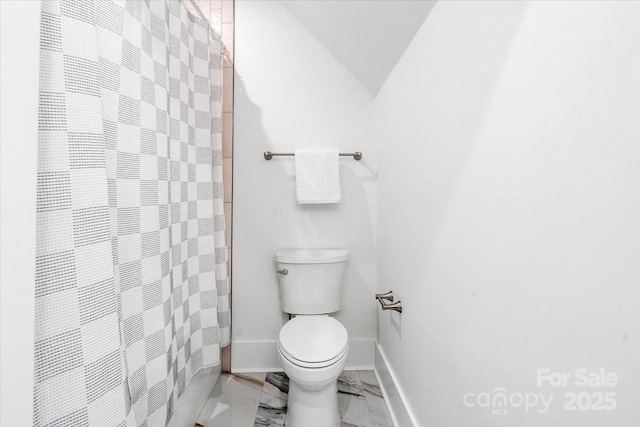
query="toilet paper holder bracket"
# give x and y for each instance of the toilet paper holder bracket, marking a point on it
(388, 296)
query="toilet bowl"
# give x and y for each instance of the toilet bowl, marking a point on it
(312, 346)
(313, 352)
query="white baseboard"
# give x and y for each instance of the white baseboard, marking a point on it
(262, 356)
(394, 397)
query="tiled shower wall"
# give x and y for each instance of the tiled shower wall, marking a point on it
(221, 16)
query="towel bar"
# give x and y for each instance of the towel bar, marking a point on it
(268, 155)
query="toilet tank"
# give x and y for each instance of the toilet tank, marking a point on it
(311, 279)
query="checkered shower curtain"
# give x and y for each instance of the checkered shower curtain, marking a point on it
(131, 286)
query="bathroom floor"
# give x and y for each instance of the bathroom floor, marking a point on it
(246, 400)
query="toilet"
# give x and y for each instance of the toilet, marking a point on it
(312, 346)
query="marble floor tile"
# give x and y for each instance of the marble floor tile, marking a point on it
(354, 410)
(373, 395)
(271, 414)
(274, 392)
(273, 402)
(233, 401)
(351, 400)
(194, 397)
(260, 400)
(277, 380)
(349, 383)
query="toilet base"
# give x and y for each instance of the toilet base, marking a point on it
(313, 391)
(312, 408)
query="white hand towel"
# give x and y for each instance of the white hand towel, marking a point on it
(317, 176)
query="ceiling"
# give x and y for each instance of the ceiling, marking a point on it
(367, 36)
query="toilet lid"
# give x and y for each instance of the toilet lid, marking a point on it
(313, 339)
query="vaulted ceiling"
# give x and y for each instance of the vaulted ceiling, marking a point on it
(367, 36)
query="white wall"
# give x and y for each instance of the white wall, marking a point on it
(20, 30)
(351, 30)
(291, 93)
(509, 207)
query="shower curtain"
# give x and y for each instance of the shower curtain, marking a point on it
(131, 280)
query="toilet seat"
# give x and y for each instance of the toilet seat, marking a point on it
(313, 341)
(304, 364)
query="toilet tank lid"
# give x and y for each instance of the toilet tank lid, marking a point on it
(311, 256)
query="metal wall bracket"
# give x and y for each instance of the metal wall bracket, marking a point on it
(388, 296)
